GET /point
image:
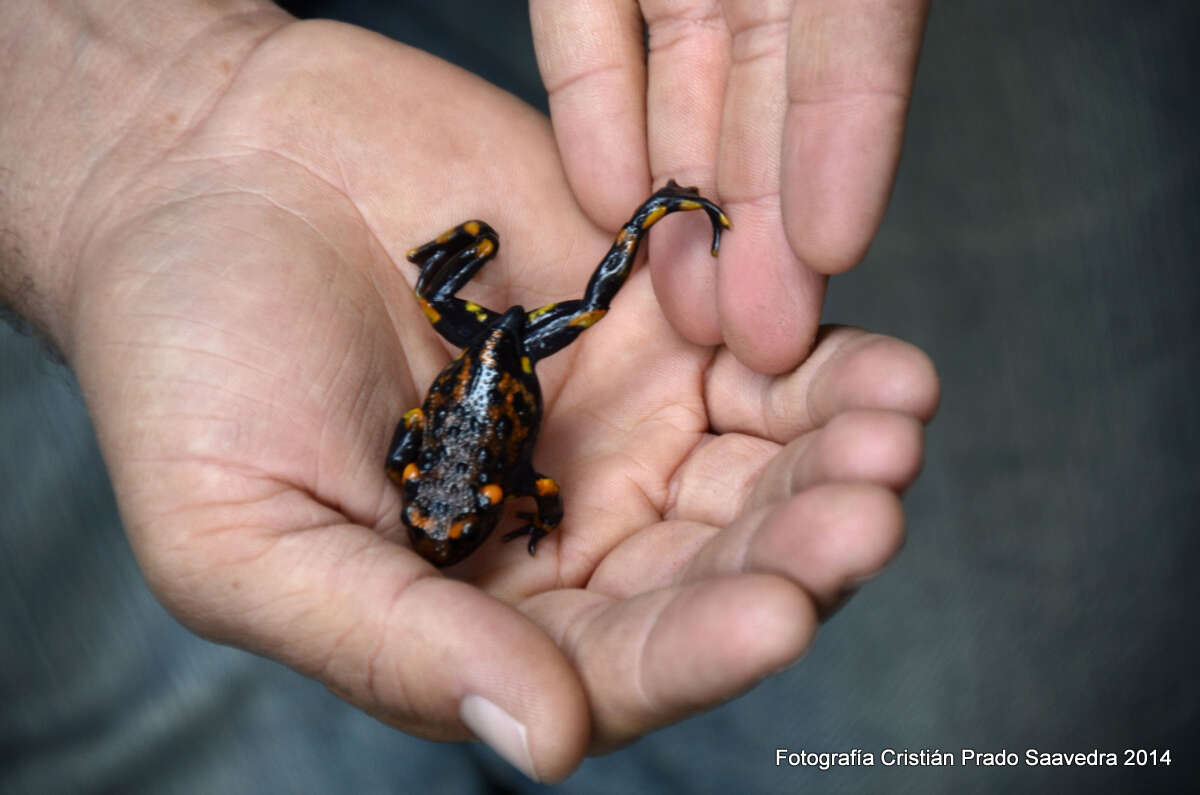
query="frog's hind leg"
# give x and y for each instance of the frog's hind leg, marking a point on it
(549, 508)
(555, 326)
(447, 263)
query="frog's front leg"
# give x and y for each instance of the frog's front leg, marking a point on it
(555, 326)
(549, 508)
(447, 263)
(406, 443)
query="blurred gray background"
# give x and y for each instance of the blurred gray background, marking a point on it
(1043, 245)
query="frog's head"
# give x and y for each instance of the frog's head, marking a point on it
(444, 531)
(445, 544)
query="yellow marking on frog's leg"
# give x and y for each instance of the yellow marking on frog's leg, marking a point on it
(492, 493)
(526, 365)
(624, 233)
(413, 416)
(445, 236)
(472, 227)
(475, 309)
(724, 221)
(416, 518)
(431, 313)
(484, 248)
(688, 204)
(456, 529)
(587, 319)
(541, 310)
(410, 472)
(654, 215)
(412, 253)
(546, 487)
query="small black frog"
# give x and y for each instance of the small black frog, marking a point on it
(470, 444)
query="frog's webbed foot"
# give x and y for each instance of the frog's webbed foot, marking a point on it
(447, 263)
(555, 326)
(674, 197)
(549, 510)
(535, 530)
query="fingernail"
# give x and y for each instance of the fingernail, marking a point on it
(501, 731)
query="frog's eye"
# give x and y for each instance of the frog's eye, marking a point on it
(463, 528)
(490, 495)
(414, 518)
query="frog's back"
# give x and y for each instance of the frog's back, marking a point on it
(482, 415)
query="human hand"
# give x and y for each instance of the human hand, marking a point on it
(245, 335)
(789, 114)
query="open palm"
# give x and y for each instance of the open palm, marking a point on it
(246, 338)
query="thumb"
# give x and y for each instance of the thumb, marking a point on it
(383, 630)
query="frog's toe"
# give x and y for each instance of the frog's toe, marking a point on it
(673, 188)
(534, 530)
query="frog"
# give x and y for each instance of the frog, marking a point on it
(468, 448)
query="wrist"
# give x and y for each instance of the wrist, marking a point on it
(93, 92)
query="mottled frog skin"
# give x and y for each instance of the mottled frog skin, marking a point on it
(469, 446)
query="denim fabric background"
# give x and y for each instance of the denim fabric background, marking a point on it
(1043, 245)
